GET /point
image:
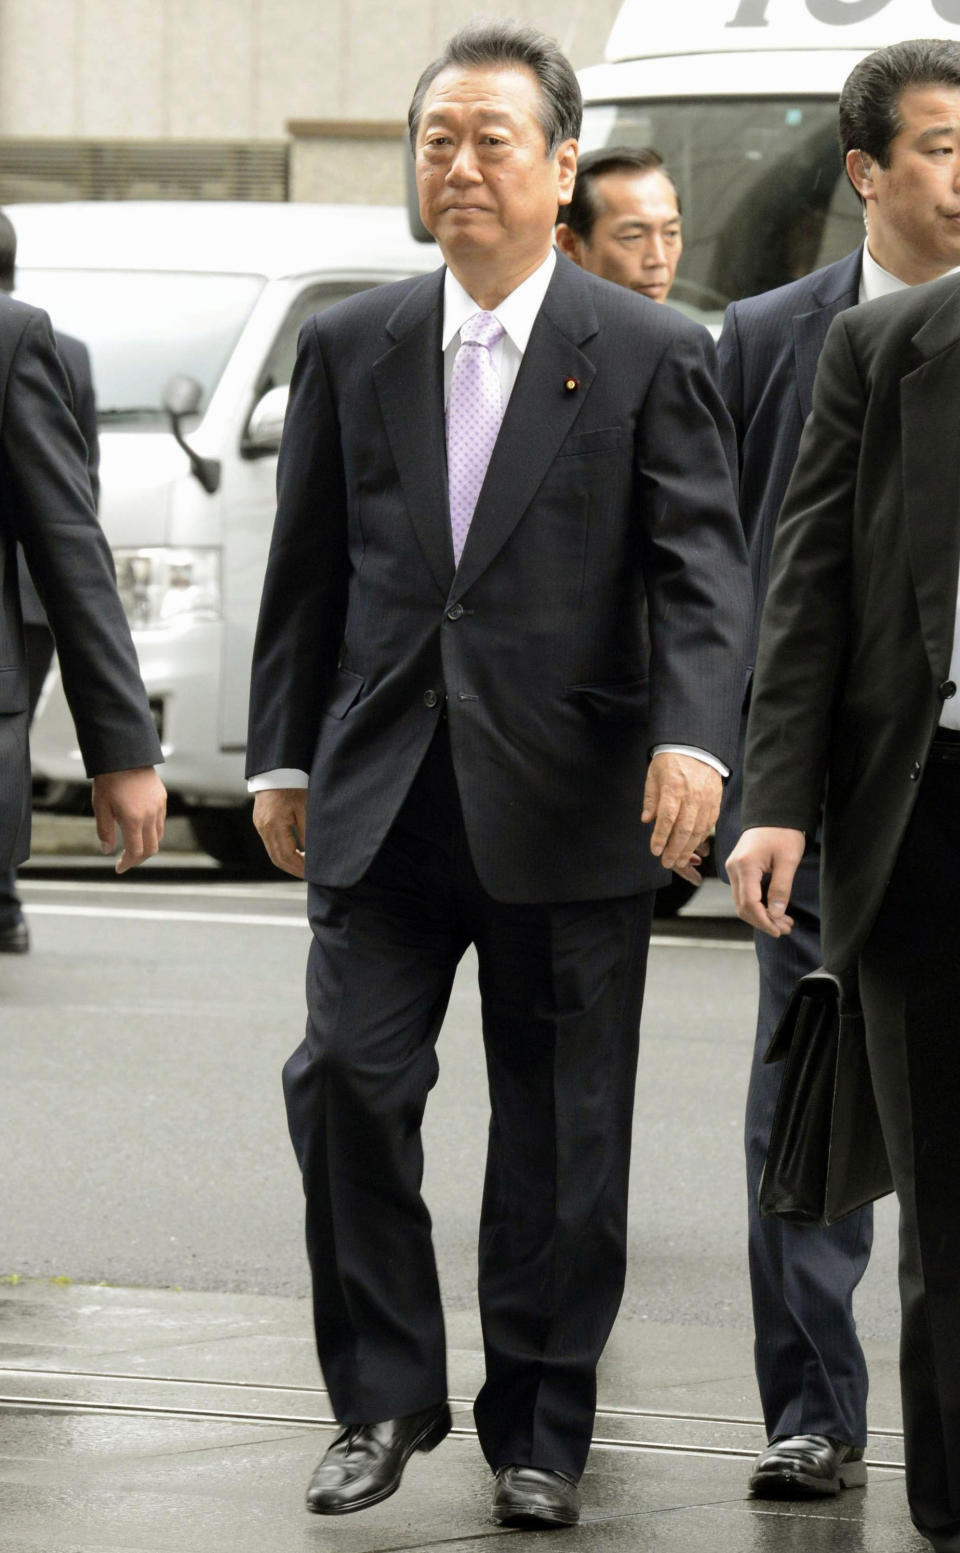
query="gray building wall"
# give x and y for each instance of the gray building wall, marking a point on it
(340, 71)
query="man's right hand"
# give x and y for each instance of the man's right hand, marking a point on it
(280, 815)
(766, 850)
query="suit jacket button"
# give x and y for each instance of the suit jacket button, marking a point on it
(430, 698)
(948, 689)
(455, 612)
(915, 770)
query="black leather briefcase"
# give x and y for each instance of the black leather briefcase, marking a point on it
(826, 1156)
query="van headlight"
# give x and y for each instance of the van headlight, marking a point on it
(158, 587)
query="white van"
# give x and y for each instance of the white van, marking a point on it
(739, 97)
(191, 313)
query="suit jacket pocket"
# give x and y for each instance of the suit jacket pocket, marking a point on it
(623, 701)
(14, 689)
(344, 690)
(604, 439)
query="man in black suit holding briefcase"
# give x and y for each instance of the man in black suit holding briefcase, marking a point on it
(811, 1371)
(855, 708)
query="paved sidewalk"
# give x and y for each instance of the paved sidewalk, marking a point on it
(168, 1422)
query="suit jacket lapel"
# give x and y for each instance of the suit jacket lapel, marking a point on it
(931, 477)
(409, 385)
(838, 289)
(539, 415)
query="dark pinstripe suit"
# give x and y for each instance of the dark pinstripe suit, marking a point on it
(477, 737)
(810, 1367)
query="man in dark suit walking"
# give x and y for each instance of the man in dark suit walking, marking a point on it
(46, 506)
(472, 642)
(855, 709)
(14, 934)
(896, 113)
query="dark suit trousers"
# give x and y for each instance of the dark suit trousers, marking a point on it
(909, 989)
(811, 1372)
(39, 646)
(561, 992)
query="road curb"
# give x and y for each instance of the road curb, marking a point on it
(56, 835)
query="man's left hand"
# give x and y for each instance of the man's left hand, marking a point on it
(136, 800)
(682, 795)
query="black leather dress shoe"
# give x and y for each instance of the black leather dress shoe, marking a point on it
(15, 938)
(365, 1462)
(807, 1466)
(532, 1496)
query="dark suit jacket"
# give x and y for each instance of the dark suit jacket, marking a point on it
(768, 352)
(45, 505)
(600, 503)
(856, 636)
(76, 361)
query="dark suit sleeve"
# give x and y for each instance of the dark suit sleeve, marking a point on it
(730, 364)
(804, 632)
(45, 494)
(303, 606)
(695, 560)
(76, 359)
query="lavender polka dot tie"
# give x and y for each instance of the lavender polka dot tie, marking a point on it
(474, 413)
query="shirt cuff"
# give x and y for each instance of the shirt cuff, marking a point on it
(689, 749)
(284, 776)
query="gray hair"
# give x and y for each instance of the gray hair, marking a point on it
(492, 41)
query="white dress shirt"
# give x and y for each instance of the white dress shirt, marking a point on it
(875, 281)
(517, 314)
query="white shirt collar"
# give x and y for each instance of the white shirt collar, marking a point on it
(517, 312)
(875, 281)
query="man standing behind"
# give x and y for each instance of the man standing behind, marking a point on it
(899, 123)
(624, 222)
(453, 642)
(46, 506)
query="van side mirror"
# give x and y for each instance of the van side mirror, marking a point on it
(417, 228)
(181, 398)
(265, 426)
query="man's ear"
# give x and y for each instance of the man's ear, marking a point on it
(860, 173)
(569, 243)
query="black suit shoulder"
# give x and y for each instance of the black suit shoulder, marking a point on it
(888, 325)
(367, 313)
(16, 319)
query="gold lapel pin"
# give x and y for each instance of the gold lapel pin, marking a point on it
(571, 384)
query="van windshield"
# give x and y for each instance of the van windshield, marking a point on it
(765, 198)
(144, 327)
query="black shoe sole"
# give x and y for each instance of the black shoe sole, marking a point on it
(431, 1437)
(546, 1519)
(797, 1485)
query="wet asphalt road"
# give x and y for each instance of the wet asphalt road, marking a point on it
(142, 1121)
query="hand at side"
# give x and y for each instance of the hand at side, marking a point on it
(766, 849)
(280, 815)
(682, 796)
(136, 800)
